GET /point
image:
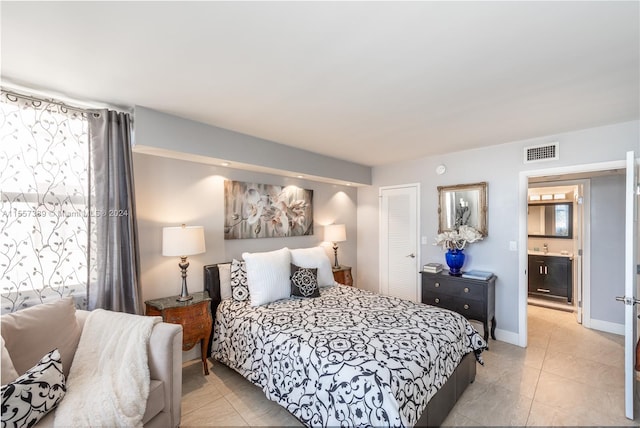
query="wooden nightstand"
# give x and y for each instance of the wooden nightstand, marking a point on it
(343, 275)
(194, 316)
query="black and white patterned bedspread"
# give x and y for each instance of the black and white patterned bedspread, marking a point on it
(346, 358)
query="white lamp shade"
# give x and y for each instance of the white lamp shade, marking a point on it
(182, 241)
(335, 233)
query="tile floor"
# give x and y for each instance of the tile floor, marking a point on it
(568, 376)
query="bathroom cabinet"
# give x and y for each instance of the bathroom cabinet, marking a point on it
(551, 276)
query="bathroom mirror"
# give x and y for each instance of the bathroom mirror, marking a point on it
(552, 220)
(464, 204)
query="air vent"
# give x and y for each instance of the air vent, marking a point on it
(543, 152)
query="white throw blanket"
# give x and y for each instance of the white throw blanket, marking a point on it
(108, 384)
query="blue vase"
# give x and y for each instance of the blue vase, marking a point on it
(455, 260)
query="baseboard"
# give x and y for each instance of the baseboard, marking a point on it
(501, 335)
(607, 327)
(191, 354)
(507, 336)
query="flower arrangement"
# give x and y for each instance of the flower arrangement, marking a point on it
(458, 239)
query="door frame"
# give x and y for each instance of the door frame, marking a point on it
(383, 267)
(523, 186)
(632, 189)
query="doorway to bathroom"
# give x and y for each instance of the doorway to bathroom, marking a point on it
(557, 211)
(575, 259)
(609, 270)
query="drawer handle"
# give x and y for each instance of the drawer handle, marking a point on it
(466, 306)
(437, 300)
(437, 284)
(466, 289)
(544, 290)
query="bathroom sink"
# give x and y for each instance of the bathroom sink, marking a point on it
(542, 253)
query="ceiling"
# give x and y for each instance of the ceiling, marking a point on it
(368, 82)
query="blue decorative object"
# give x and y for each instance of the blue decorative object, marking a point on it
(455, 260)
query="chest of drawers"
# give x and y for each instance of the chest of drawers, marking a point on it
(473, 298)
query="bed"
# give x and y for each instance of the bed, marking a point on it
(349, 357)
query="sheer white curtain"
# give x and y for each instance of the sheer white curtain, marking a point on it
(44, 193)
(67, 221)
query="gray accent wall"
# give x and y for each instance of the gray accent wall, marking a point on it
(159, 131)
(607, 247)
(500, 166)
(170, 192)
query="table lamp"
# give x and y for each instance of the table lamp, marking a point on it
(183, 241)
(335, 233)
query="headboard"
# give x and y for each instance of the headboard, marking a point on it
(212, 286)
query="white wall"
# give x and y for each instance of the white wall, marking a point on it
(500, 166)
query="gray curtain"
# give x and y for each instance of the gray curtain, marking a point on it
(113, 258)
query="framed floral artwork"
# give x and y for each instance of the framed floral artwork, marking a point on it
(266, 211)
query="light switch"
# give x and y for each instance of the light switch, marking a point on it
(513, 245)
(423, 240)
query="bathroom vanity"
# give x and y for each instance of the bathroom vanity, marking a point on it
(551, 275)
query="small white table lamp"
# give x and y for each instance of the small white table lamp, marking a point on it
(183, 241)
(335, 233)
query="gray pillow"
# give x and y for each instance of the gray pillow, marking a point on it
(304, 282)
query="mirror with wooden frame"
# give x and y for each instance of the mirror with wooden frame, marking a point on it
(463, 204)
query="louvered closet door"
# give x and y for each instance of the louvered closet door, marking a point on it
(399, 259)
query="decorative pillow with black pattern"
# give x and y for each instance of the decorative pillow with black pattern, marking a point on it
(304, 282)
(31, 396)
(239, 287)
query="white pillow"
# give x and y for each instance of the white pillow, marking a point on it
(268, 276)
(224, 270)
(314, 257)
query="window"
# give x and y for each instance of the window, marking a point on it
(44, 189)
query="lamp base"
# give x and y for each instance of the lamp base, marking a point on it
(336, 265)
(184, 294)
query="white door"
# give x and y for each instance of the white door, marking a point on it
(399, 260)
(630, 282)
